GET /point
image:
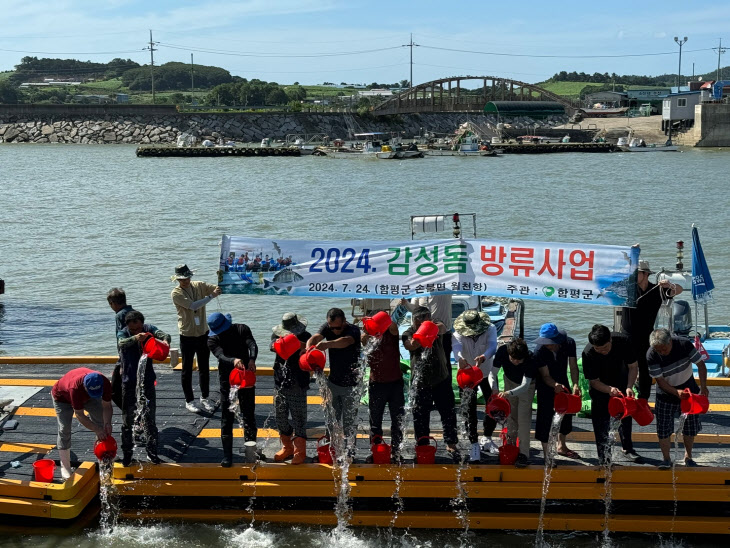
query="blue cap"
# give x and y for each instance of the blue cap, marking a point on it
(94, 384)
(218, 323)
(550, 334)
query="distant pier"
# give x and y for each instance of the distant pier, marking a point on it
(199, 152)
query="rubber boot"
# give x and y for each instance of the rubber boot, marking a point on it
(227, 461)
(64, 456)
(300, 450)
(287, 449)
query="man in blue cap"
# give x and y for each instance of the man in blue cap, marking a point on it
(87, 395)
(556, 351)
(234, 346)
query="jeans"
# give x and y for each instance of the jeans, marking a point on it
(189, 347)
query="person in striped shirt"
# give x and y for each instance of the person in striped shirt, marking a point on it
(670, 360)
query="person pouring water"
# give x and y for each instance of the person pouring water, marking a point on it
(474, 342)
(87, 395)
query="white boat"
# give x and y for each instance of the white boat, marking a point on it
(636, 144)
(469, 145)
(375, 145)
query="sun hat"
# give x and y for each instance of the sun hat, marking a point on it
(182, 272)
(550, 334)
(94, 384)
(644, 267)
(290, 323)
(472, 323)
(218, 323)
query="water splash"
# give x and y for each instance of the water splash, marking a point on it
(677, 435)
(608, 477)
(141, 426)
(109, 498)
(459, 504)
(547, 476)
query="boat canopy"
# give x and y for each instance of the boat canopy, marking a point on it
(533, 109)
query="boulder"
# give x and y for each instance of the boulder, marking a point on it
(46, 130)
(109, 136)
(11, 134)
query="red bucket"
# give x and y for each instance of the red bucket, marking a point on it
(469, 377)
(642, 414)
(380, 451)
(508, 454)
(286, 346)
(314, 360)
(44, 470)
(325, 452)
(617, 408)
(106, 449)
(377, 325)
(426, 334)
(243, 378)
(426, 454)
(694, 404)
(156, 349)
(567, 404)
(498, 408)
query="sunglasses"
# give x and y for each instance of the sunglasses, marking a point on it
(340, 328)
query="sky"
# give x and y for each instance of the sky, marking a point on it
(355, 41)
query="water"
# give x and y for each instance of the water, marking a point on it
(552, 449)
(608, 477)
(108, 497)
(677, 435)
(79, 220)
(141, 427)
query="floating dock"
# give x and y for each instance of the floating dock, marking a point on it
(148, 151)
(190, 485)
(549, 148)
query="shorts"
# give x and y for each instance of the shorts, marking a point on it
(665, 414)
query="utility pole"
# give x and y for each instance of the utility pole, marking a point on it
(152, 49)
(720, 50)
(410, 45)
(679, 72)
(192, 79)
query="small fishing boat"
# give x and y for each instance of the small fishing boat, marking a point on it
(637, 144)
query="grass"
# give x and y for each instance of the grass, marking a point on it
(113, 85)
(6, 75)
(573, 89)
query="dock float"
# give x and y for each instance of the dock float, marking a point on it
(148, 151)
(548, 148)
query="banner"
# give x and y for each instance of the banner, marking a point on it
(589, 274)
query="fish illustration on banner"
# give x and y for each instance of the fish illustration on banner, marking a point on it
(589, 274)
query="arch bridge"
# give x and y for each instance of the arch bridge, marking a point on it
(448, 95)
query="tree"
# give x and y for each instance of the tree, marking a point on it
(405, 83)
(296, 93)
(9, 94)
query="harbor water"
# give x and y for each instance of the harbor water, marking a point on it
(79, 220)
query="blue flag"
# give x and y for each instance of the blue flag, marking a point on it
(702, 285)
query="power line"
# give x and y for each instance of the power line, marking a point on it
(499, 54)
(274, 55)
(152, 49)
(720, 50)
(71, 52)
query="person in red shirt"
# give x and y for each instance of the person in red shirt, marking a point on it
(87, 394)
(386, 386)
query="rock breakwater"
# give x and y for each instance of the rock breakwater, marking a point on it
(111, 128)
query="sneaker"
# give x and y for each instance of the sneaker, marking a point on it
(192, 407)
(665, 465)
(522, 461)
(153, 458)
(209, 405)
(634, 456)
(488, 446)
(690, 463)
(455, 455)
(475, 454)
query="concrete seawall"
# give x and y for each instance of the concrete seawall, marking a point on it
(86, 124)
(711, 127)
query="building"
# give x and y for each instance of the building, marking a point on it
(678, 109)
(375, 93)
(614, 99)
